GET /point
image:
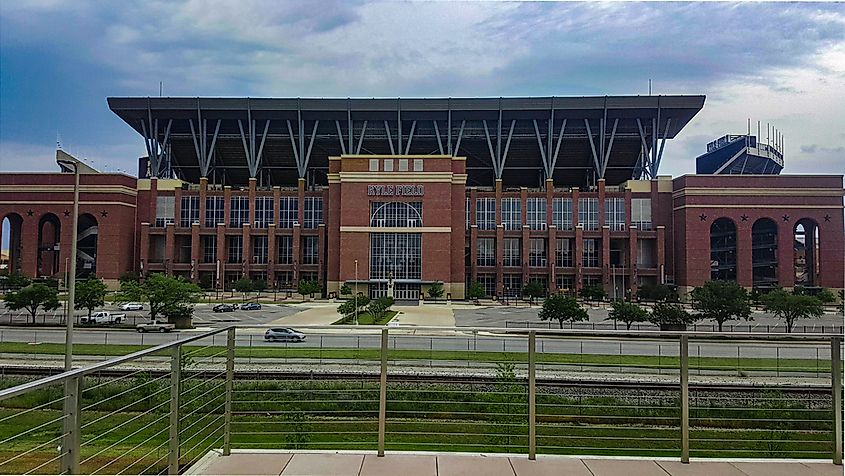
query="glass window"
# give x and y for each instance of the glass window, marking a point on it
(418, 165)
(396, 214)
(285, 249)
(236, 249)
(209, 248)
(563, 246)
(512, 214)
(536, 213)
(403, 165)
(288, 211)
(310, 249)
(396, 255)
(592, 253)
(614, 213)
(313, 212)
(485, 213)
(373, 165)
(189, 211)
(486, 254)
(263, 211)
(512, 246)
(165, 210)
(388, 165)
(239, 213)
(641, 213)
(566, 283)
(214, 211)
(488, 281)
(537, 252)
(512, 284)
(259, 248)
(562, 213)
(588, 213)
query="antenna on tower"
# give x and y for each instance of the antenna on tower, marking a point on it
(58, 141)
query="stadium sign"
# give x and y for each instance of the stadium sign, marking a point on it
(397, 190)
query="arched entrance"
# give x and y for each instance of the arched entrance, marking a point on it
(11, 241)
(806, 255)
(49, 240)
(723, 250)
(86, 246)
(764, 253)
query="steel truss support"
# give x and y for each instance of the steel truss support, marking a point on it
(201, 147)
(340, 138)
(497, 157)
(156, 147)
(651, 156)
(549, 156)
(253, 157)
(439, 141)
(460, 136)
(410, 138)
(300, 154)
(389, 139)
(361, 139)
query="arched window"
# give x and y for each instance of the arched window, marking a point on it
(11, 237)
(86, 246)
(805, 239)
(764, 253)
(49, 239)
(723, 250)
(396, 214)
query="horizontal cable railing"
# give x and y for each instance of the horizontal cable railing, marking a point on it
(512, 390)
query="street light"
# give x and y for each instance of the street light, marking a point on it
(71, 288)
(355, 320)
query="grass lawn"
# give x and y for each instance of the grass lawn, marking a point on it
(366, 319)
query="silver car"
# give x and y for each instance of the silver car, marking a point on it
(284, 334)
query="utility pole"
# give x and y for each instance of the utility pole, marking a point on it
(71, 284)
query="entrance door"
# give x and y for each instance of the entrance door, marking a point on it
(406, 292)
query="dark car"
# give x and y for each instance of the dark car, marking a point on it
(251, 306)
(223, 308)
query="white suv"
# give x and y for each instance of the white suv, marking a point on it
(131, 306)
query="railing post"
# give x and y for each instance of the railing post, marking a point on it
(684, 351)
(382, 397)
(836, 389)
(230, 377)
(175, 388)
(72, 422)
(532, 395)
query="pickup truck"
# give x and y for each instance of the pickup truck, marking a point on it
(103, 317)
(155, 326)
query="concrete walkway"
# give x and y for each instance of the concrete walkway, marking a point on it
(425, 315)
(312, 314)
(356, 464)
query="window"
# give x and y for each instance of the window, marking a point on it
(485, 213)
(592, 252)
(512, 284)
(284, 279)
(512, 250)
(403, 165)
(566, 283)
(310, 249)
(641, 213)
(189, 211)
(165, 209)
(236, 249)
(536, 213)
(588, 213)
(288, 212)
(209, 248)
(562, 213)
(488, 282)
(373, 165)
(239, 213)
(418, 165)
(313, 212)
(263, 211)
(396, 214)
(285, 249)
(511, 214)
(563, 248)
(723, 244)
(467, 213)
(591, 280)
(537, 252)
(614, 213)
(486, 254)
(308, 276)
(259, 249)
(214, 211)
(395, 255)
(646, 254)
(388, 165)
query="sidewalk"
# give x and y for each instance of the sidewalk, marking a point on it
(433, 464)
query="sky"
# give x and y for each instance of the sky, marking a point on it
(779, 63)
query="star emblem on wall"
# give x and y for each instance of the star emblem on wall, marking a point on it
(702, 217)
(104, 213)
(786, 218)
(29, 212)
(67, 213)
(744, 217)
(827, 218)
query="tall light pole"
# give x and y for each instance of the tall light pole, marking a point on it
(71, 288)
(355, 320)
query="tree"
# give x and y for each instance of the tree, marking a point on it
(349, 307)
(243, 285)
(533, 289)
(790, 306)
(826, 296)
(721, 301)
(167, 296)
(435, 290)
(378, 308)
(593, 292)
(31, 298)
(129, 276)
(656, 292)
(205, 282)
(259, 285)
(17, 280)
(669, 316)
(559, 307)
(345, 290)
(90, 294)
(308, 287)
(628, 313)
(475, 290)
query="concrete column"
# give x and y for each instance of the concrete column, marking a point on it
(600, 186)
(473, 252)
(744, 274)
(300, 190)
(498, 202)
(500, 256)
(169, 248)
(277, 195)
(579, 256)
(246, 233)
(195, 252)
(632, 255)
(227, 204)
(272, 252)
(605, 259)
(523, 207)
(575, 194)
(550, 196)
(203, 194)
(252, 184)
(661, 255)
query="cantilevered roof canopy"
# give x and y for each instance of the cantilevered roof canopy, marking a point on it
(523, 141)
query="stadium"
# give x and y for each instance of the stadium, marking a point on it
(394, 195)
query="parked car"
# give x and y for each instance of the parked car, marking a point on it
(223, 308)
(131, 306)
(250, 306)
(283, 334)
(103, 317)
(154, 326)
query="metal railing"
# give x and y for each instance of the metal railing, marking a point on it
(425, 388)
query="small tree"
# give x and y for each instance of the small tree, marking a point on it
(656, 292)
(308, 288)
(129, 276)
(259, 285)
(721, 301)
(166, 295)
(435, 290)
(379, 307)
(345, 290)
(559, 307)
(90, 294)
(593, 292)
(791, 307)
(475, 290)
(533, 289)
(667, 315)
(205, 282)
(17, 280)
(628, 313)
(243, 286)
(33, 297)
(826, 296)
